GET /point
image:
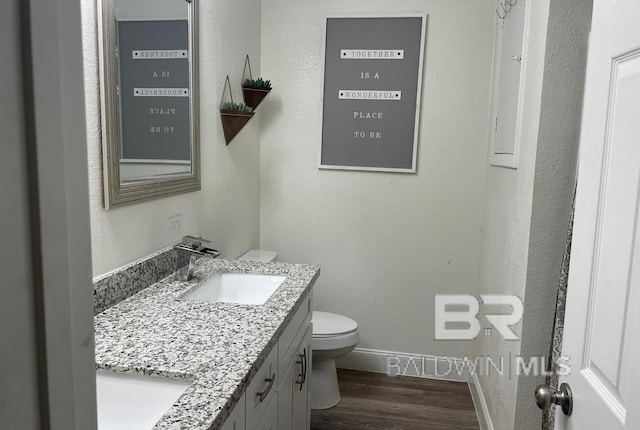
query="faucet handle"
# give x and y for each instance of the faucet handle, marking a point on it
(194, 242)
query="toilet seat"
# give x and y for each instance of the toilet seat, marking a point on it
(326, 324)
(331, 343)
(333, 331)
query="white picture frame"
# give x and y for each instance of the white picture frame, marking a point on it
(415, 117)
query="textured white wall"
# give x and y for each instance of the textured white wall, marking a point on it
(553, 189)
(226, 210)
(507, 222)
(386, 242)
(527, 210)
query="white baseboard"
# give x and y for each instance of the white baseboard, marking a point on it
(405, 364)
(480, 404)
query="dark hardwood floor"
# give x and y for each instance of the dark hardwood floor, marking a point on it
(375, 401)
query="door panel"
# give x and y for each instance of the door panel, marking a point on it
(615, 262)
(603, 307)
(19, 379)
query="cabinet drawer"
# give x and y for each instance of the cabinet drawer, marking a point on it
(287, 344)
(262, 390)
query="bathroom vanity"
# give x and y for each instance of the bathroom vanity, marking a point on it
(248, 365)
(263, 406)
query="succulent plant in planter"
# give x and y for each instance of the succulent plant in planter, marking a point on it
(257, 84)
(255, 90)
(234, 117)
(237, 107)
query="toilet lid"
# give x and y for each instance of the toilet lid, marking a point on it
(328, 324)
(259, 255)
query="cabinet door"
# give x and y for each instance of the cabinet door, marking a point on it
(300, 412)
(292, 334)
(270, 419)
(293, 393)
(285, 394)
(261, 391)
(236, 421)
(508, 83)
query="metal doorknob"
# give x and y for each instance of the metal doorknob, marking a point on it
(545, 397)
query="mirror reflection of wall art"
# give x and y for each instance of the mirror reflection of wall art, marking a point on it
(372, 90)
(149, 92)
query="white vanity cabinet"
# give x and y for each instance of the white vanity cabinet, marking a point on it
(293, 392)
(236, 421)
(294, 366)
(278, 396)
(270, 419)
(262, 390)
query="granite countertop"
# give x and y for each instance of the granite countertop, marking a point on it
(219, 346)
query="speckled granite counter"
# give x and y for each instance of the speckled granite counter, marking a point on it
(218, 345)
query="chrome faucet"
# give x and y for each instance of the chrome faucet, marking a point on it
(194, 247)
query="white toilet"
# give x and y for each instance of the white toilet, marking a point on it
(259, 255)
(333, 336)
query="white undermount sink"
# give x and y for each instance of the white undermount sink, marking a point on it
(128, 402)
(242, 288)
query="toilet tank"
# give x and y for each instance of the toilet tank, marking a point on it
(260, 255)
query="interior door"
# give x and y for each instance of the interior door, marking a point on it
(602, 325)
(20, 382)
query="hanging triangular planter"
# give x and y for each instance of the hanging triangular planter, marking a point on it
(253, 91)
(234, 116)
(254, 96)
(232, 122)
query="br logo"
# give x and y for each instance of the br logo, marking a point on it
(463, 309)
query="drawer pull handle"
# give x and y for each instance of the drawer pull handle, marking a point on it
(303, 362)
(263, 394)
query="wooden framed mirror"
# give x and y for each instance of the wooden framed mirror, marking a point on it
(149, 99)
